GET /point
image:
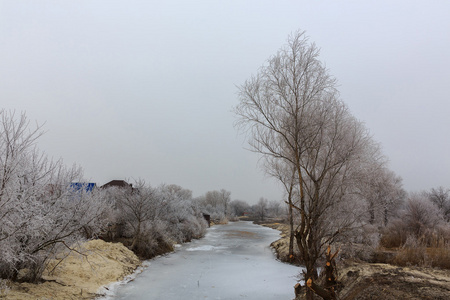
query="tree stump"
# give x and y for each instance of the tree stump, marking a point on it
(327, 292)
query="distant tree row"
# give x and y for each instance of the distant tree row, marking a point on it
(219, 206)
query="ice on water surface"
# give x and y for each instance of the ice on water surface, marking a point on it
(232, 261)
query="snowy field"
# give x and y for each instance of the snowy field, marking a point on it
(233, 261)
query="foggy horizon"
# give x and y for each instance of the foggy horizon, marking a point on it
(140, 89)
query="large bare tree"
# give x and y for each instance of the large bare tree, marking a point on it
(292, 112)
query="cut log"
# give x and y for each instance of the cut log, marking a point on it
(297, 289)
(325, 294)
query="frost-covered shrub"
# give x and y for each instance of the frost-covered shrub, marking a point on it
(215, 212)
(185, 216)
(153, 219)
(394, 235)
(216, 204)
(440, 197)
(154, 240)
(419, 218)
(39, 211)
(41, 225)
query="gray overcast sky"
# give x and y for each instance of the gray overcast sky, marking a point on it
(131, 89)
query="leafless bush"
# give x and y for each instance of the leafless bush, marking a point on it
(39, 211)
(441, 198)
(412, 253)
(420, 233)
(419, 218)
(154, 240)
(360, 243)
(395, 234)
(216, 204)
(154, 219)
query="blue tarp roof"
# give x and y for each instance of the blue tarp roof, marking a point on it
(87, 186)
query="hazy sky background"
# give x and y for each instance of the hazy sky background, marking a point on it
(145, 89)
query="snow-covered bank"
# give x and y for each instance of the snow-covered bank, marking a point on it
(80, 276)
(108, 291)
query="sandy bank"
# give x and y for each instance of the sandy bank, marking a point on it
(281, 246)
(79, 276)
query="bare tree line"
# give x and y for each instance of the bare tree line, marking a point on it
(336, 181)
(42, 213)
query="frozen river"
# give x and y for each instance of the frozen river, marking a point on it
(232, 261)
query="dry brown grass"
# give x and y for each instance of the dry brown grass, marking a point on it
(429, 249)
(410, 257)
(436, 257)
(439, 257)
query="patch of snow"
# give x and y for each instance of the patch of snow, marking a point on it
(205, 248)
(108, 291)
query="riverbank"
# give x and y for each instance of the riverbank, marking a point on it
(81, 275)
(281, 246)
(377, 281)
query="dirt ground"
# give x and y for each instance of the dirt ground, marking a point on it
(364, 281)
(78, 276)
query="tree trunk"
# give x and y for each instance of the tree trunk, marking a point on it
(291, 234)
(327, 292)
(310, 275)
(291, 226)
(308, 260)
(291, 217)
(136, 236)
(371, 212)
(385, 215)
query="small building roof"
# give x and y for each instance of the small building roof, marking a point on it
(117, 183)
